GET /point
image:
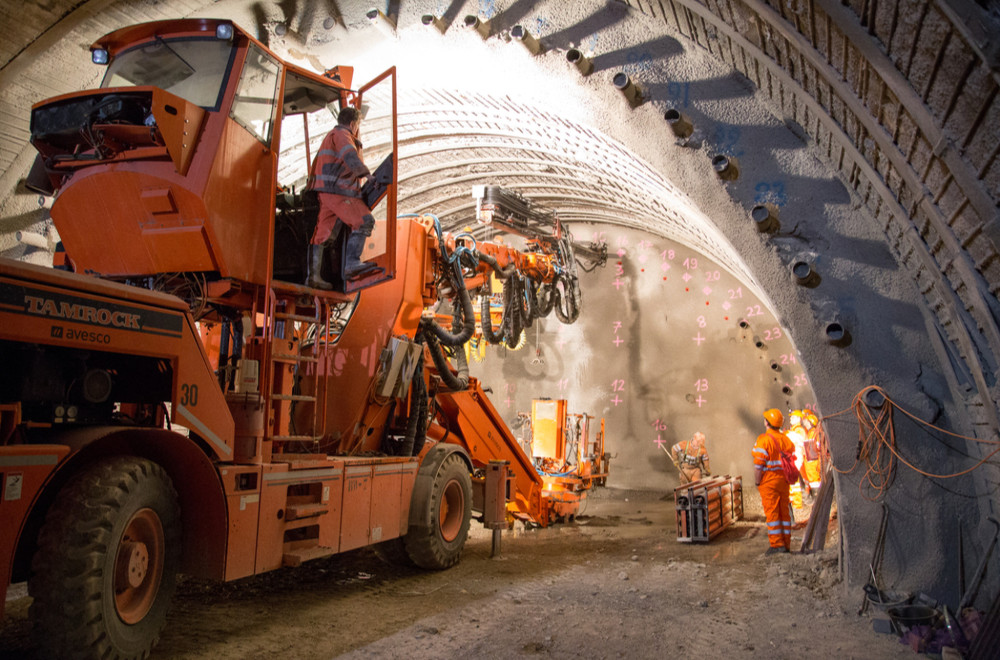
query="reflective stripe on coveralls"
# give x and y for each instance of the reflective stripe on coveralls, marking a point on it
(811, 474)
(690, 465)
(336, 173)
(773, 487)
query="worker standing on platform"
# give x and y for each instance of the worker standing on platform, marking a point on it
(811, 467)
(771, 482)
(335, 180)
(797, 434)
(691, 458)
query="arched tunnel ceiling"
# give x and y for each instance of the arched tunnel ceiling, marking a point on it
(893, 107)
(450, 141)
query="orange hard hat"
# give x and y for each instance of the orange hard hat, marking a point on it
(774, 417)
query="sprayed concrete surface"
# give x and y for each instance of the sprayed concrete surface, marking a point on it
(616, 584)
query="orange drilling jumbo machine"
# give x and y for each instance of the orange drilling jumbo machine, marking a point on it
(175, 399)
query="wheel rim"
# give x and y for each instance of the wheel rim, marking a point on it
(138, 566)
(452, 511)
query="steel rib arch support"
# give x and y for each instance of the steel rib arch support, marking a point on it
(762, 45)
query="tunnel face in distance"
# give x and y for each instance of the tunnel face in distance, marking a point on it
(659, 352)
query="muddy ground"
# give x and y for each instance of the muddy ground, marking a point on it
(615, 584)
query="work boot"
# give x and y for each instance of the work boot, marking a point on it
(353, 266)
(314, 265)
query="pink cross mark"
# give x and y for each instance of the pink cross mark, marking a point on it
(700, 401)
(618, 400)
(618, 341)
(618, 284)
(508, 402)
(686, 277)
(659, 441)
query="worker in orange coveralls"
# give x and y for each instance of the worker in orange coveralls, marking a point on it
(811, 467)
(771, 483)
(335, 179)
(691, 458)
(797, 434)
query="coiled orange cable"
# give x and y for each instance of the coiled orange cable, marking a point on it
(877, 444)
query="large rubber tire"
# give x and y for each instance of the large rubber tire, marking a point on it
(106, 564)
(444, 513)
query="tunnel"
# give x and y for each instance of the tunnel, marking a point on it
(799, 201)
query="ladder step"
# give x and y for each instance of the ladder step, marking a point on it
(296, 317)
(293, 438)
(292, 358)
(292, 397)
(297, 511)
(297, 556)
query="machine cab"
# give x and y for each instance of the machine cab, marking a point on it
(194, 153)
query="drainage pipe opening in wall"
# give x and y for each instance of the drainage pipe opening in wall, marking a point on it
(837, 334)
(32, 239)
(744, 324)
(759, 343)
(765, 218)
(804, 274)
(580, 61)
(431, 20)
(482, 27)
(775, 366)
(874, 398)
(520, 33)
(678, 122)
(726, 167)
(786, 390)
(628, 88)
(381, 22)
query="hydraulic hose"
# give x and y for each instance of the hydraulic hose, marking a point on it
(451, 381)
(416, 424)
(571, 297)
(502, 273)
(513, 323)
(489, 334)
(544, 300)
(463, 304)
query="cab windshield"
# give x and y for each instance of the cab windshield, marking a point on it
(193, 68)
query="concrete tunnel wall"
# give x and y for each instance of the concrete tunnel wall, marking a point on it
(923, 327)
